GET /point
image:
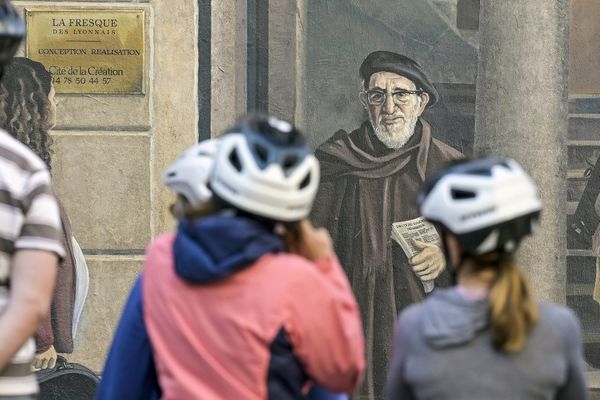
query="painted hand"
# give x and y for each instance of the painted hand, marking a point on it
(429, 263)
(596, 242)
(45, 360)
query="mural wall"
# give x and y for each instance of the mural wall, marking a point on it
(369, 185)
(388, 103)
(384, 90)
(583, 190)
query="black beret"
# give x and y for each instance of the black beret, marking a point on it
(388, 61)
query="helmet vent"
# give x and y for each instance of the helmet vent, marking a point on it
(290, 161)
(306, 181)
(234, 159)
(481, 171)
(458, 194)
(261, 152)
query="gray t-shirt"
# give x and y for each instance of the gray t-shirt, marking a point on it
(443, 350)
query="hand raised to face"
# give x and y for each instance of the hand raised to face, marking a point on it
(313, 243)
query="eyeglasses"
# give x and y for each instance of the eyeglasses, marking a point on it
(377, 97)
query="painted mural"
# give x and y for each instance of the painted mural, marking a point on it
(371, 168)
(398, 103)
(369, 181)
(388, 98)
(583, 176)
(28, 111)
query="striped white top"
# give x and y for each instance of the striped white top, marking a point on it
(29, 219)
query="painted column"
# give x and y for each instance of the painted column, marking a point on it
(521, 113)
(228, 64)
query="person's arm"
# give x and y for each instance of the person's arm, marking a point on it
(575, 386)
(129, 371)
(324, 327)
(33, 273)
(33, 266)
(396, 385)
(44, 337)
(45, 353)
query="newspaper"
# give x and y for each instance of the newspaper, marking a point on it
(82, 283)
(405, 232)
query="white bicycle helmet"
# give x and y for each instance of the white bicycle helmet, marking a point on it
(488, 204)
(188, 175)
(264, 167)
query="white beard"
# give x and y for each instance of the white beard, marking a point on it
(394, 136)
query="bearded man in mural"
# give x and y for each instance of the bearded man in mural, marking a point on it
(370, 178)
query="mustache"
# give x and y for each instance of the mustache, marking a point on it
(383, 117)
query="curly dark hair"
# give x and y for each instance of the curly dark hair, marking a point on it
(25, 107)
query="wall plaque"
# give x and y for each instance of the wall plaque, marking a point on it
(89, 51)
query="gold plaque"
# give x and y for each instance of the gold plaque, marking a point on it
(89, 50)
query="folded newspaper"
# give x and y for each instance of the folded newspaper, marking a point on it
(405, 232)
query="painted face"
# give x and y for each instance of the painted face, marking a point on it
(394, 105)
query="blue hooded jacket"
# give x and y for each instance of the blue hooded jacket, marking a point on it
(205, 251)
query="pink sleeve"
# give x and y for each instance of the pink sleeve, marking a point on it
(325, 328)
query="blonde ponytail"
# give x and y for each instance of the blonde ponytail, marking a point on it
(513, 313)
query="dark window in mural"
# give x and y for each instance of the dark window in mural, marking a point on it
(257, 55)
(583, 188)
(467, 14)
(204, 69)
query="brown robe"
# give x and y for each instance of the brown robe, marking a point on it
(365, 187)
(57, 328)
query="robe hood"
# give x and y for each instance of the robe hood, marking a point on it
(213, 248)
(452, 320)
(362, 154)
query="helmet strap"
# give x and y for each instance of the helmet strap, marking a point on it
(452, 268)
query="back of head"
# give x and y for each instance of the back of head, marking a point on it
(264, 168)
(489, 206)
(12, 32)
(25, 108)
(188, 178)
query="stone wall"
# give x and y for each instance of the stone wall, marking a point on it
(108, 155)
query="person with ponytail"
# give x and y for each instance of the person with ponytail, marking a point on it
(485, 337)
